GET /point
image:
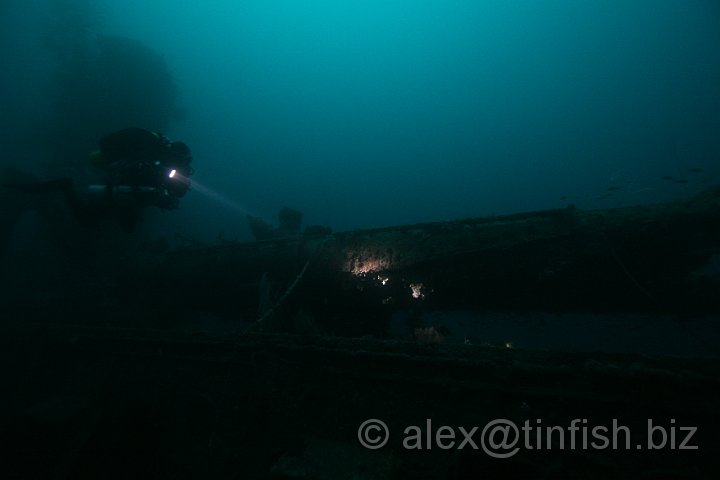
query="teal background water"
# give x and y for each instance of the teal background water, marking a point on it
(372, 113)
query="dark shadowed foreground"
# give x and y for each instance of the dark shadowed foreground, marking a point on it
(262, 360)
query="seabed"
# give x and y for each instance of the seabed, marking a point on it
(262, 359)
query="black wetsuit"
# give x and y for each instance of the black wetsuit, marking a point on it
(136, 160)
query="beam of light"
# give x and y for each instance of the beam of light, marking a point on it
(218, 197)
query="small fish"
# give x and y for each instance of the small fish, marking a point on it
(563, 198)
(604, 196)
(681, 181)
(695, 170)
(667, 177)
(612, 189)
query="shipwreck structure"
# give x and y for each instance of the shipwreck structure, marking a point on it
(290, 354)
(650, 259)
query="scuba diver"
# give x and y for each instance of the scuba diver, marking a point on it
(142, 169)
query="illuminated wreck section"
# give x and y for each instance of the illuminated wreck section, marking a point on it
(639, 260)
(382, 260)
(644, 259)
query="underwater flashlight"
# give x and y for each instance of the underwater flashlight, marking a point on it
(172, 173)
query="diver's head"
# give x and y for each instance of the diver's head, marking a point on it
(180, 153)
